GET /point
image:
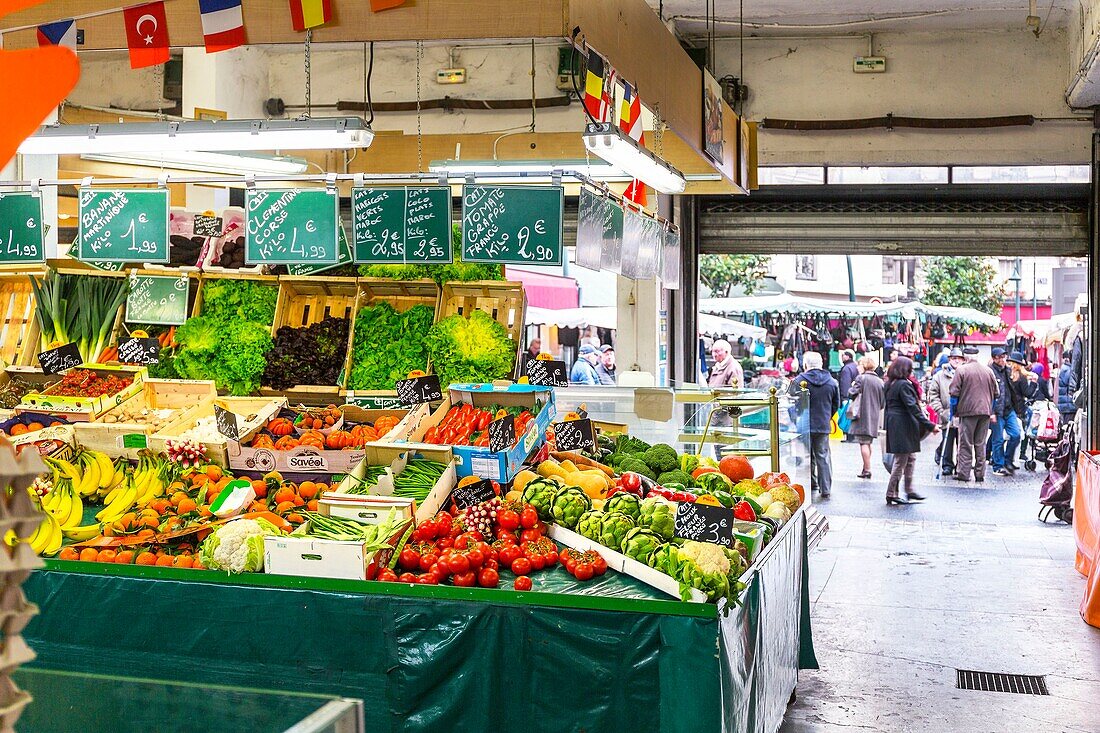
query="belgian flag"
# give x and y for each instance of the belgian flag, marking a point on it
(594, 100)
(306, 14)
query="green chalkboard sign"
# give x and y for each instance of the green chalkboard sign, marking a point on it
(124, 225)
(21, 234)
(517, 224)
(410, 225)
(157, 300)
(291, 226)
(343, 258)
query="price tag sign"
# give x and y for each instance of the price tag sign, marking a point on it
(207, 226)
(418, 390)
(514, 224)
(575, 435)
(226, 422)
(139, 351)
(473, 494)
(502, 434)
(60, 359)
(547, 373)
(124, 225)
(411, 224)
(157, 300)
(704, 523)
(291, 226)
(21, 229)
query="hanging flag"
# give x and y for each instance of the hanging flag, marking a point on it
(309, 13)
(61, 33)
(630, 122)
(636, 193)
(607, 103)
(146, 35)
(593, 85)
(378, 5)
(222, 24)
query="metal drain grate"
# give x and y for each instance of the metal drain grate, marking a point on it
(1021, 684)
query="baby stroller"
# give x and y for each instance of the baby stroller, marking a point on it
(1043, 432)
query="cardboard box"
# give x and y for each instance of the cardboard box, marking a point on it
(501, 466)
(317, 558)
(366, 509)
(394, 457)
(623, 564)
(58, 441)
(85, 409)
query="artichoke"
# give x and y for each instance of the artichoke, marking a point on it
(665, 559)
(615, 527)
(658, 515)
(590, 524)
(640, 543)
(540, 494)
(568, 506)
(626, 503)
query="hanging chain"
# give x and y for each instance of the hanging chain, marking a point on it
(159, 76)
(658, 131)
(419, 132)
(309, 74)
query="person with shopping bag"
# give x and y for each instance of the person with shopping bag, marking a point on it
(824, 399)
(973, 390)
(906, 425)
(939, 399)
(866, 396)
(848, 373)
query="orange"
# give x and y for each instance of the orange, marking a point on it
(89, 554)
(159, 505)
(108, 530)
(298, 501)
(196, 564)
(178, 497)
(187, 505)
(18, 429)
(199, 479)
(214, 471)
(125, 557)
(212, 493)
(260, 487)
(165, 561)
(150, 522)
(107, 556)
(68, 553)
(295, 518)
(146, 558)
(307, 489)
(284, 494)
(311, 505)
(183, 561)
(34, 426)
(204, 511)
(146, 533)
(284, 506)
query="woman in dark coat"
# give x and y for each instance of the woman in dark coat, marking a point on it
(906, 424)
(866, 396)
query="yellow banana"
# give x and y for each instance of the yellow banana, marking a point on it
(106, 469)
(69, 470)
(83, 533)
(90, 480)
(54, 543)
(119, 506)
(43, 535)
(76, 515)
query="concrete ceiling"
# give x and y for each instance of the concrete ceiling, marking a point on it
(781, 17)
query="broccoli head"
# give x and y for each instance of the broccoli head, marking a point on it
(674, 477)
(661, 458)
(628, 444)
(636, 465)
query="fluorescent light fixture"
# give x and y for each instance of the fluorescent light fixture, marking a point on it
(528, 170)
(608, 141)
(206, 135)
(207, 162)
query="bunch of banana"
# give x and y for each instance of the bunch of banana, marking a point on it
(63, 503)
(119, 500)
(46, 539)
(148, 480)
(97, 473)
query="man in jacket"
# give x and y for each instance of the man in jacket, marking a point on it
(1004, 426)
(824, 397)
(1066, 407)
(848, 373)
(939, 399)
(973, 390)
(584, 368)
(727, 371)
(605, 370)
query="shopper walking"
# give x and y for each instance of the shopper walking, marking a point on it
(1066, 407)
(848, 373)
(584, 368)
(727, 371)
(865, 406)
(973, 391)
(939, 399)
(605, 369)
(824, 397)
(1022, 386)
(1004, 426)
(906, 425)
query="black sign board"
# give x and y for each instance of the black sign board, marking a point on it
(473, 494)
(547, 373)
(207, 226)
(58, 360)
(139, 351)
(704, 523)
(418, 390)
(227, 422)
(502, 433)
(575, 435)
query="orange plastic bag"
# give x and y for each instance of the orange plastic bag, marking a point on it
(1086, 530)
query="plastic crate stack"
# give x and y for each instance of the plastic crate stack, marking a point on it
(18, 514)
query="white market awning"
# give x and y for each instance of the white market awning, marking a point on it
(605, 317)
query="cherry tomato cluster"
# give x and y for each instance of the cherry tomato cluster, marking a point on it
(583, 565)
(86, 383)
(468, 425)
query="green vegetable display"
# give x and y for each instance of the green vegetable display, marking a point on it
(540, 493)
(459, 271)
(228, 300)
(636, 465)
(569, 504)
(704, 566)
(665, 558)
(473, 349)
(232, 354)
(658, 515)
(628, 504)
(661, 458)
(590, 525)
(711, 483)
(615, 527)
(77, 308)
(388, 345)
(313, 355)
(639, 544)
(675, 477)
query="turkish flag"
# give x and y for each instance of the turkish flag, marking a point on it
(146, 34)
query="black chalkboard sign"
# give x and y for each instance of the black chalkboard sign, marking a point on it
(502, 433)
(473, 494)
(207, 226)
(575, 435)
(55, 361)
(704, 523)
(226, 422)
(139, 351)
(419, 390)
(547, 373)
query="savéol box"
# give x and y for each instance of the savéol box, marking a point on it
(317, 558)
(501, 465)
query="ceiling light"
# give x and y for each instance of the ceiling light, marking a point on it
(530, 171)
(206, 135)
(207, 162)
(608, 141)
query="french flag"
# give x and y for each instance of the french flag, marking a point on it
(222, 24)
(61, 33)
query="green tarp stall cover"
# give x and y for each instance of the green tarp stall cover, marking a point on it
(602, 656)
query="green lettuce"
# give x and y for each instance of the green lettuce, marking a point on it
(473, 349)
(388, 345)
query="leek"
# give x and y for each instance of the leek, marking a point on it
(90, 323)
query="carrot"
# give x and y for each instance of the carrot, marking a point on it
(270, 517)
(580, 460)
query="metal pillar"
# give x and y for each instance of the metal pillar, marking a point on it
(683, 346)
(1090, 433)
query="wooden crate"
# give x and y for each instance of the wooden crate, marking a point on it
(258, 409)
(196, 309)
(18, 322)
(31, 347)
(402, 295)
(504, 301)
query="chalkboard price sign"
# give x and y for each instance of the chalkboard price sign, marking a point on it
(226, 422)
(139, 351)
(517, 224)
(502, 433)
(21, 230)
(704, 523)
(289, 226)
(473, 494)
(575, 435)
(547, 373)
(342, 258)
(157, 300)
(55, 361)
(419, 390)
(402, 225)
(124, 225)
(207, 226)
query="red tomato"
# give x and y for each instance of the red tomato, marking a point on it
(458, 564)
(550, 558)
(427, 579)
(505, 535)
(599, 565)
(439, 572)
(409, 559)
(529, 535)
(537, 563)
(521, 566)
(529, 517)
(476, 558)
(508, 555)
(508, 519)
(465, 580)
(485, 549)
(491, 564)
(522, 583)
(584, 571)
(570, 564)
(426, 561)
(406, 578)
(488, 578)
(445, 543)
(476, 535)
(387, 576)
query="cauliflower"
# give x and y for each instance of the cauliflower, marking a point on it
(785, 494)
(661, 458)
(765, 500)
(750, 487)
(778, 510)
(237, 546)
(710, 558)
